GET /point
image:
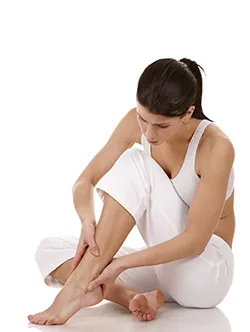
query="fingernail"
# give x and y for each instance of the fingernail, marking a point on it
(89, 288)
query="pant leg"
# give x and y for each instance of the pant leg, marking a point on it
(140, 185)
(54, 251)
(143, 278)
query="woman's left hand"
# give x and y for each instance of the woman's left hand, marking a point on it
(108, 275)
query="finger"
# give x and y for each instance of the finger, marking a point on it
(74, 265)
(104, 288)
(78, 256)
(79, 253)
(93, 247)
(72, 269)
(75, 262)
(95, 283)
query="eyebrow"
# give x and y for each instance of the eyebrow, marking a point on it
(157, 124)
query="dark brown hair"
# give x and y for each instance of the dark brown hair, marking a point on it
(169, 87)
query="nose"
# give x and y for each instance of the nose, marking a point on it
(150, 135)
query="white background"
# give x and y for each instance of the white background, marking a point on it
(68, 74)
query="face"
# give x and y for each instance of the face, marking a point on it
(160, 128)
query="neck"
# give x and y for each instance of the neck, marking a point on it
(181, 142)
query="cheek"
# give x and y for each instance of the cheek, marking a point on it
(142, 126)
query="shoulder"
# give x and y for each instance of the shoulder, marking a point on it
(214, 136)
(216, 148)
(134, 125)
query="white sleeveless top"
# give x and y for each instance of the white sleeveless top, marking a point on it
(186, 182)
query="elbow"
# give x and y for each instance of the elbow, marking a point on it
(74, 187)
(82, 183)
(200, 251)
(196, 248)
(77, 184)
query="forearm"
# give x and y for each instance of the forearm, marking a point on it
(83, 198)
(181, 246)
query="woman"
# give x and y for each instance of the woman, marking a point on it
(178, 191)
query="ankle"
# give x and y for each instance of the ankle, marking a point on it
(131, 295)
(121, 296)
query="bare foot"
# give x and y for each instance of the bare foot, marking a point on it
(69, 300)
(144, 306)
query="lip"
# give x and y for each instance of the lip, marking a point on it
(153, 142)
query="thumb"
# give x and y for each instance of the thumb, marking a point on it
(93, 247)
(95, 283)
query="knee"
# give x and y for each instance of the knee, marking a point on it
(48, 244)
(193, 303)
(132, 153)
(136, 162)
(189, 299)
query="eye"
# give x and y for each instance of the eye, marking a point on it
(158, 126)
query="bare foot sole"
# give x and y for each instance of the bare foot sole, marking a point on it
(69, 300)
(144, 306)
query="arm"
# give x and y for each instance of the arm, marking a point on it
(83, 193)
(124, 136)
(204, 213)
(181, 246)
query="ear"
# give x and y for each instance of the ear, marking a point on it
(190, 112)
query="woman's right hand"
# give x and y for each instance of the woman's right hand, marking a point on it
(87, 238)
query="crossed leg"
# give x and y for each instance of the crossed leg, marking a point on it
(143, 306)
(112, 229)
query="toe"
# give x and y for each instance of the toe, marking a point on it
(140, 316)
(43, 320)
(33, 318)
(38, 317)
(36, 320)
(134, 304)
(50, 321)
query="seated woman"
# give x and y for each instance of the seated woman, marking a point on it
(178, 191)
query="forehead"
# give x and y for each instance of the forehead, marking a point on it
(152, 118)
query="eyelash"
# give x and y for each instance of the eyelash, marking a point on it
(158, 126)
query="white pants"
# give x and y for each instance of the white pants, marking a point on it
(141, 186)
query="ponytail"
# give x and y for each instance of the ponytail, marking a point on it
(194, 68)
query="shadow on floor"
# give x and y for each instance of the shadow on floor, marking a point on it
(108, 316)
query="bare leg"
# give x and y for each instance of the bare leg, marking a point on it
(117, 292)
(112, 229)
(122, 295)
